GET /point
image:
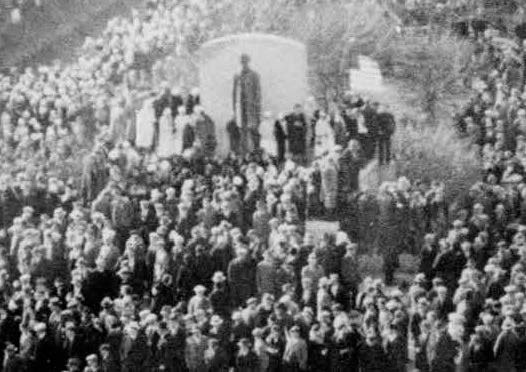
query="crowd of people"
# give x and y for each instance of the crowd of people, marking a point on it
(164, 257)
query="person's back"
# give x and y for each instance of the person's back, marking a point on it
(506, 351)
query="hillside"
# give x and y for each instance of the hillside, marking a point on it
(55, 30)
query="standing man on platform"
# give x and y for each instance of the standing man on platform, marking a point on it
(247, 104)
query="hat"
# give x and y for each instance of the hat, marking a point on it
(125, 270)
(252, 301)
(216, 320)
(10, 347)
(244, 342)
(91, 358)
(420, 278)
(40, 327)
(54, 301)
(257, 332)
(199, 289)
(134, 326)
(105, 347)
(510, 288)
(295, 329)
(74, 362)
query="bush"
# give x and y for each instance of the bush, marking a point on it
(436, 153)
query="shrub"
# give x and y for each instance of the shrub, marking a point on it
(436, 153)
(433, 65)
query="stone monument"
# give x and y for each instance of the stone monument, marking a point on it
(368, 78)
(280, 62)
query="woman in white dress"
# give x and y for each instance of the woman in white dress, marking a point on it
(166, 147)
(145, 125)
(324, 140)
(181, 120)
(267, 141)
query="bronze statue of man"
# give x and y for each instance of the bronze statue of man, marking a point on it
(247, 104)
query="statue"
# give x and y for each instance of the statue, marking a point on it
(246, 100)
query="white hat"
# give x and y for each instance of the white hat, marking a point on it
(218, 277)
(199, 288)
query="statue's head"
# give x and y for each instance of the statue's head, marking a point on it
(245, 60)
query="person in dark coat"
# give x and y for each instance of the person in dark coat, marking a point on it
(165, 350)
(506, 348)
(444, 263)
(296, 132)
(219, 297)
(12, 362)
(192, 100)
(266, 272)
(480, 353)
(388, 232)
(246, 104)
(280, 134)
(162, 293)
(246, 359)
(234, 136)
(350, 163)
(100, 283)
(188, 136)
(205, 131)
(123, 217)
(216, 358)
(185, 280)
(146, 222)
(95, 174)
(396, 350)
(241, 278)
(107, 361)
(134, 349)
(167, 99)
(371, 353)
(386, 127)
(427, 256)
(73, 345)
(446, 351)
(340, 351)
(368, 141)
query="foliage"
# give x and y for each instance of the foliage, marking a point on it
(433, 65)
(52, 30)
(436, 153)
(332, 31)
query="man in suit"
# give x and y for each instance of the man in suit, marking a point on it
(241, 278)
(72, 345)
(12, 361)
(246, 99)
(266, 272)
(133, 349)
(280, 133)
(351, 122)
(369, 140)
(386, 126)
(297, 130)
(122, 216)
